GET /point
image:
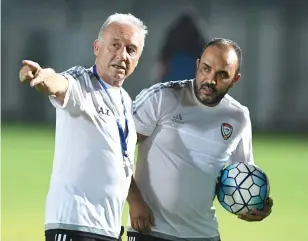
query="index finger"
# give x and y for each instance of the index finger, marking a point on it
(31, 64)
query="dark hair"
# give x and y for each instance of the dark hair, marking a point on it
(227, 42)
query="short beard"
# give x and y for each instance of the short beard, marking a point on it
(217, 98)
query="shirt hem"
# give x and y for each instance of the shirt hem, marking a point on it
(174, 238)
(82, 228)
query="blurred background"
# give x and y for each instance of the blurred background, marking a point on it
(273, 36)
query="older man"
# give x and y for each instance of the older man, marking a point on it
(95, 135)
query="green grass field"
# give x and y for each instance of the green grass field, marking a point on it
(27, 152)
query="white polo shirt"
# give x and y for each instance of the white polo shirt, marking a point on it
(88, 185)
(178, 164)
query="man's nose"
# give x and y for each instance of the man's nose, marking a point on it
(211, 80)
(122, 54)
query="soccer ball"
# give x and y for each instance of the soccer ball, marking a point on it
(242, 187)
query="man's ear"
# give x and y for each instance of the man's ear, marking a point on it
(96, 47)
(236, 79)
(197, 62)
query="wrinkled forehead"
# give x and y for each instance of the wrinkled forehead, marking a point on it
(124, 32)
(220, 57)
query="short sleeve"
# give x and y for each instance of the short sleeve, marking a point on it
(244, 150)
(146, 109)
(74, 96)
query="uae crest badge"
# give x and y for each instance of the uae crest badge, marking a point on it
(226, 130)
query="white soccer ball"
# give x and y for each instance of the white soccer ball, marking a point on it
(242, 187)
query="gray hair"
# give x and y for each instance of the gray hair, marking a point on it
(124, 19)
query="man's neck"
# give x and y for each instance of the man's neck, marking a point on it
(107, 80)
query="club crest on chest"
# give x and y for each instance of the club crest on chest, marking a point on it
(226, 130)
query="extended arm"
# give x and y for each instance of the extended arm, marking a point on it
(65, 90)
(44, 80)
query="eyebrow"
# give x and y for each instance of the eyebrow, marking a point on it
(132, 45)
(206, 65)
(115, 39)
(219, 71)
